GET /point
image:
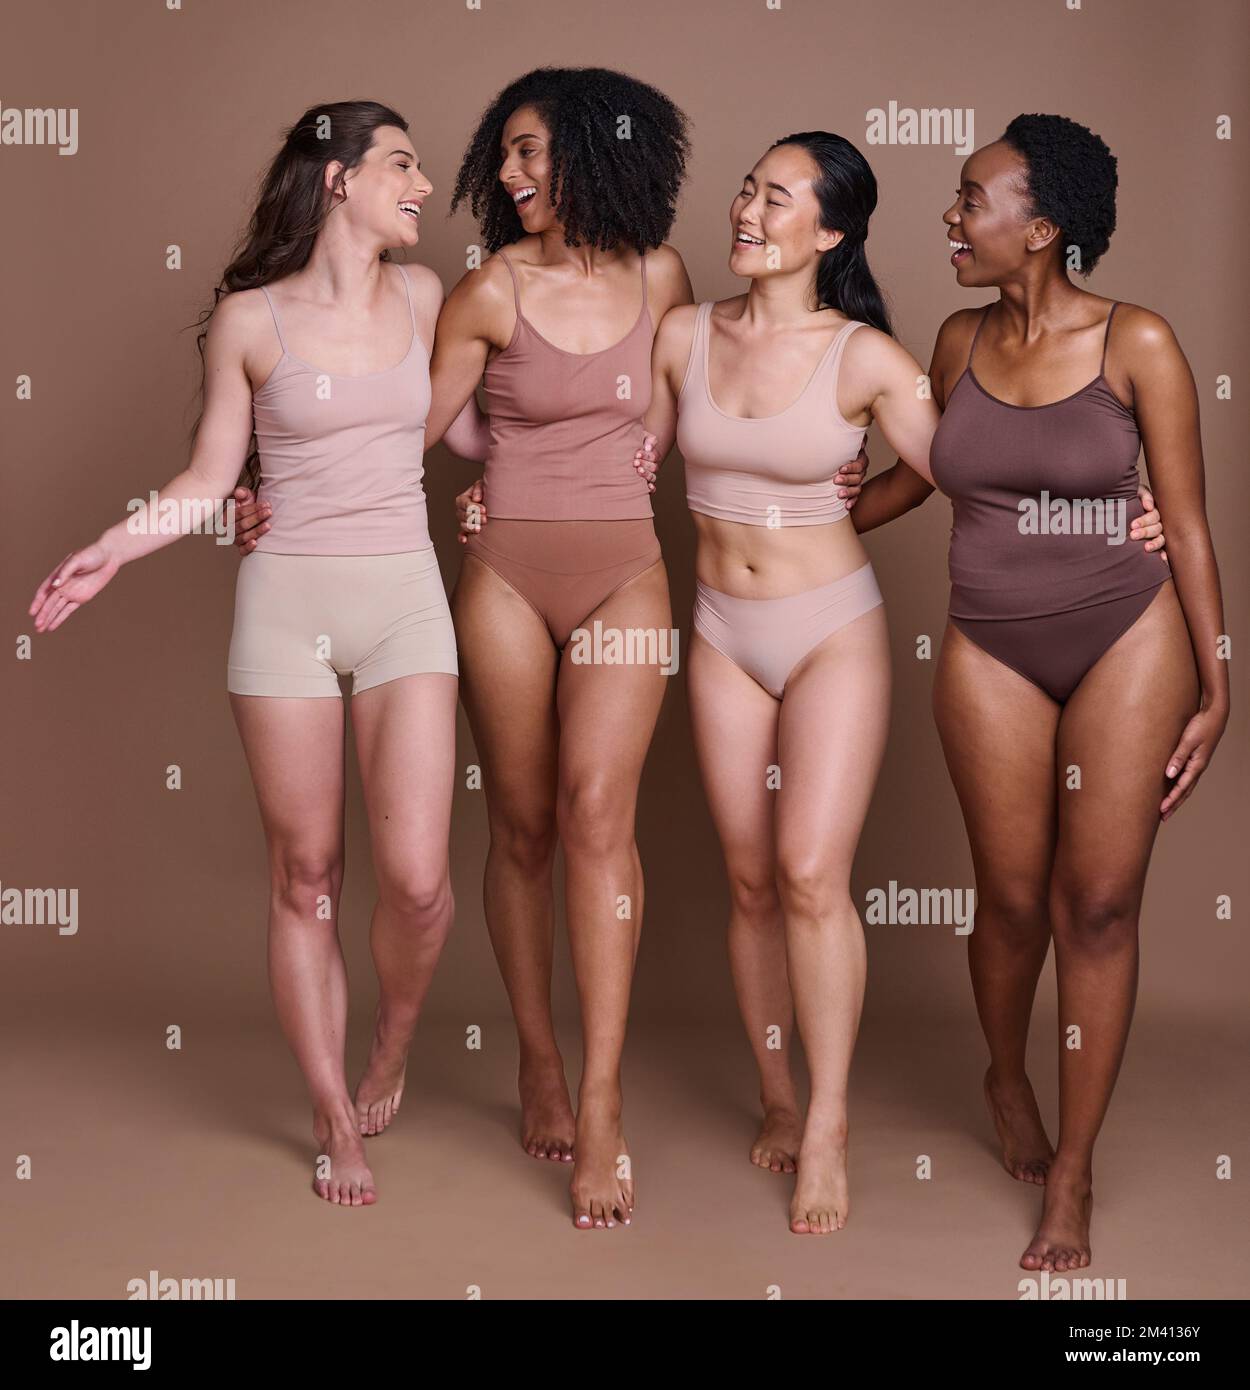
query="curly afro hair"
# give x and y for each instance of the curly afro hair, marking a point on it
(1071, 178)
(611, 190)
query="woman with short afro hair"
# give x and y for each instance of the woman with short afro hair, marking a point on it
(1080, 692)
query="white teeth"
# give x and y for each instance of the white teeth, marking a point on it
(523, 195)
(957, 245)
(412, 209)
(746, 240)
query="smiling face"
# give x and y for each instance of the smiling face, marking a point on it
(778, 209)
(525, 168)
(386, 189)
(989, 226)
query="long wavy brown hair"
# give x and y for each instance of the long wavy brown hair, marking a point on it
(292, 208)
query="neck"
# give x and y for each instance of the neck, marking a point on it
(344, 267)
(780, 300)
(1035, 301)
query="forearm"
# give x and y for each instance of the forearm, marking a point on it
(188, 504)
(1197, 580)
(888, 495)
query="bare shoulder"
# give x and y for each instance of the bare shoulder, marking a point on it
(958, 329)
(1139, 330)
(241, 320)
(665, 265)
(426, 286)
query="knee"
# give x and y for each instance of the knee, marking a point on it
(811, 889)
(306, 882)
(1016, 918)
(1094, 917)
(592, 820)
(421, 897)
(754, 898)
(528, 840)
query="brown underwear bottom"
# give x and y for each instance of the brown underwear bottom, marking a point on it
(1056, 650)
(565, 570)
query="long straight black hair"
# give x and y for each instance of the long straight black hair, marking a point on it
(846, 190)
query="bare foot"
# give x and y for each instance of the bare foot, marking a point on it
(603, 1187)
(1062, 1239)
(1026, 1150)
(777, 1143)
(346, 1180)
(547, 1124)
(382, 1083)
(821, 1201)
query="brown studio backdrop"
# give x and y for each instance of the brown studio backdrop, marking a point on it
(179, 113)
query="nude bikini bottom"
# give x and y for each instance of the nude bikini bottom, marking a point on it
(768, 637)
(565, 570)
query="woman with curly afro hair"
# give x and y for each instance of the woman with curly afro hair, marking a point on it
(577, 173)
(1079, 694)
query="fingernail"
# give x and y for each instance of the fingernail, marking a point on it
(1171, 771)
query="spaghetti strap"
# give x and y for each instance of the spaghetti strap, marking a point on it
(1106, 338)
(516, 288)
(972, 347)
(412, 313)
(277, 322)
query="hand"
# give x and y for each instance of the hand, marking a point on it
(1149, 526)
(251, 519)
(645, 462)
(79, 577)
(850, 477)
(1193, 753)
(471, 511)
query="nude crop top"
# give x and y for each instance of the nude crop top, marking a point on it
(564, 426)
(776, 470)
(341, 457)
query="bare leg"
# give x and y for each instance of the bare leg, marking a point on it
(998, 734)
(827, 781)
(406, 743)
(508, 672)
(295, 752)
(735, 733)
(1119, 728)
(607, 716)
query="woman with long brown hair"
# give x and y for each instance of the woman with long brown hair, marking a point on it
(318, 345)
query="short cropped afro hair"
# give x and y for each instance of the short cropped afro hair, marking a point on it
(1071, 179)
(613, 183)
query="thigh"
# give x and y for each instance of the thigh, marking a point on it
(294, 749)
(508, 684)
(406, 746)
(835, 715)
(734, 723)
(998, 735)
(1119, 729)
(608, 709)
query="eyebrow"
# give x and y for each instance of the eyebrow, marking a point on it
(516, 140)
(972, 183)
(780, 187)
(406, 154)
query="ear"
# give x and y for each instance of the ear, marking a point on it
(330, 173)
(1041, 232)
(827, 240)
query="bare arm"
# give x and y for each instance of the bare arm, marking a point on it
(187, 499)
(1166, 403)
(468, 327)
